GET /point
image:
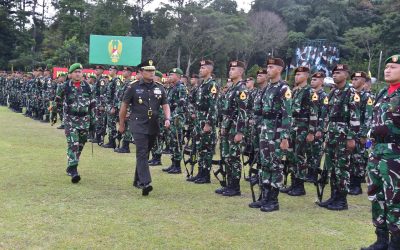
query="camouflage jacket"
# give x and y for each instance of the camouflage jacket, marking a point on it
(304, 109)
(366, 107)
(110, 92)
(205, 102)
(119, 93)
(100, 89)
(322, 108)
(177, 99)
(234, 108)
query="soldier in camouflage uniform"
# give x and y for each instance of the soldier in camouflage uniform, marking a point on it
(205, 121)
(304, 124)
(314, 151)
(384, 161)
(119, 93)
(110, 107)
(274, 137)
(342, 129)
(359, 157)
(177, 99)
(79, 116)
(36, 91)
(60, 81)
(233, 127)
(100, 89)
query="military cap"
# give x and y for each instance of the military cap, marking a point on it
(159, 74)
(250, 79)
(147, 65)
(195, 76)
(99, 67)
(276, 61)
(129, 68)
(113, 67)
(176, 71)
(39, 69)
(92, 76)
(393, 59)
(206, 62)
(359, 74)
(237, 64)
(62, 75)
(341, 67)
(302, 69)
(74, 67)
(318, 75)
(262, 71)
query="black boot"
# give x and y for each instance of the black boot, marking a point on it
(312, 175)
(286, 190)
(272, 203)
(176, 169)
(340, 203)
(156, 161)
(262, 201)
(61, 126)
(326, 203)
(170, 167)
(382, 240)
(356, 189)
(75, 177)
(110, 144)
(298, 189)
(199, 175)
(394, 242)
(233, 190)
(205, 177)
(124, 149)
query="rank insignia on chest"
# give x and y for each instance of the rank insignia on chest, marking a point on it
(102, 83)
(140, 101)
(157, 91)
(213, 90)
(356, 98)
(118, 83)
(315, 97)
(370, 102)
(242, 96)
(326, 101)
(288, 94)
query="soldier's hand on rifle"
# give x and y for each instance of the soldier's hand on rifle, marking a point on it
(284, 144)
(318, 135)
(350, 145)
(238, 137)
(121, 128)
(112, 111)
(310, 137)
(167, 123)
(193, 116)
(206, 128)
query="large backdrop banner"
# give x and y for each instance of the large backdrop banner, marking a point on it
(115, 50)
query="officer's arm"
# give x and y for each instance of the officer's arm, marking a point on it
(167, 111)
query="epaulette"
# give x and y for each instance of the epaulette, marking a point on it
(133, 82)
(158, 83)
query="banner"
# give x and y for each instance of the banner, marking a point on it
(115, 50)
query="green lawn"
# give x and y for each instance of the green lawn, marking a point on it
(41, 209)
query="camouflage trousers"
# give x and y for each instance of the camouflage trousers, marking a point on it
(358, 160)
(61, 114)
(158, 145)
(231, 153)
(271, 155)
(127, 135)
(205, 144)
(337, 160)
(297, 153)
(175, 138)
(45, 109)
(112, 125)
(76, 139)
(384, 186)
(101, 125)
(314, 153)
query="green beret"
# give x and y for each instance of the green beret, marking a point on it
(62, 75)
(393, 59)
(74, 67)
(159, 74)
(176, 71)
(92, 76)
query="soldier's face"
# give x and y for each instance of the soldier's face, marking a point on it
(99, 72)
(274, 71)
(148, 75)
(357, 82)
(138, 76)
(113, 72)
(339, 76)
(235, 72)
(157, 78)
(204, 71)
(250, 84)
(261, 78)
(173, 77)
(300, 77)
(316, 82)
(193, 81)
(77, 75)
(126, 74)
(392, 73)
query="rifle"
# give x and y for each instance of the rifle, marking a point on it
(221, 170)
(323, 179)
(192, 153)
(53, 114)
(118, 137)
(254, 178)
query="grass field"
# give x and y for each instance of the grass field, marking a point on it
(41, 209)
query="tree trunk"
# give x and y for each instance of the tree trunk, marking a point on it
(34, 31)
(189, 64)
(178, 60)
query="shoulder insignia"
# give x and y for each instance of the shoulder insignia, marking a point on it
(356, 97)
(288, 94)
(213, 89)
(326, 100)
(370, 102)
(315, 97)
(243, 95)
(102, 83)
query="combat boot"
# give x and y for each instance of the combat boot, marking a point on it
(233, 190)
(356, 189)
(205, 177)
(394, 242)
(176, 169)
(75, 177)
(170, 167)
(124, 149)
(272, 203)
(298, 189)
(110, 144)
(263, 199)
(326, 203)
(286, 190)
(340, 203)
(156, 161)
(61, 126)
(199, 175)
(312, 175)
(382, 240)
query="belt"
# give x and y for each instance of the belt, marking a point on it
(149, 113)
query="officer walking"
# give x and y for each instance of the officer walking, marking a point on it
(145, 98)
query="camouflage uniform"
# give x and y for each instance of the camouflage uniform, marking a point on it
(100, 89)
(111, 118)
(119, 94)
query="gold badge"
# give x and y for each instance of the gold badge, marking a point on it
(234, 64)
(213, 90)
(102, 83)
(395, 59)
(151, 62)
(140, 101)
(339, 66)
(315, 97)
(356, 97)
(358, 74)
(288, 94)
(202, 63)
(326, 101)
(243, 96)
(370, 102)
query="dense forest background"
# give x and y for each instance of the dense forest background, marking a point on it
(179, 33)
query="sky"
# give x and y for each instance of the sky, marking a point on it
(243, 4)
